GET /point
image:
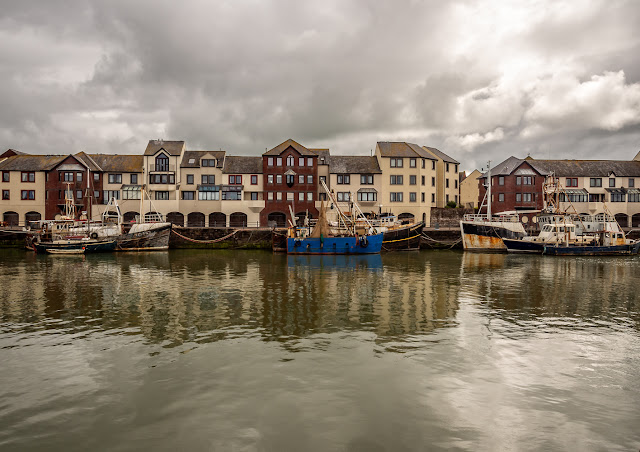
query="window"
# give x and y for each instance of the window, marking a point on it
(96, 177)
(29, 176)
(269, 161)
(5, 176)
(501, 180)
(133, 179)
(632, 182)
(232, 193)
(309, 178)
(115, 178)
(595, 182)
(598, 197)
(634, 197)
(208, 179)
(528, 180)
(188, 195)
(254, 196)
(254, 179)
(108, 194)
(423, 180)
(309, 194)
(456, 168)
(5, 195)
(79, 177)
(270, 196)
(301, 179)
(518, 197)
(412, 180)
(366, 179)
(617, 197)
(422, 197)
(612, 182)
(396, 163)
(96, 194)
(396, 196)
(278, 178)
(447, 198)
(279, 196)
(67, 176)
(433, 181)
(309, 161)
(130, 192)
(162, 195)
(446, 183)
(433, 164)
(78, 194)
(235, 180)
(343, 196)
(162, 163)
(323, 179)
(572, 182)
(301, 161)
(396, 179)
(301, 196)
(433, 198)
(189, 179)
(28, 194)
(208, 162)
(290, 160)
(289, 196)
(344, 179)
(518, 180)
(208, 194)
(573, 197)
(162, 179)
(279, 161)
(501, 197)
(412, 196)
(367, 196)
(412, 163)
(455, 183)
(447, 169)
(290, 178)
(526, 197)
(270, 178)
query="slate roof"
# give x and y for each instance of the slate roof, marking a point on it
(197, 155)
(10, 152)
(172, 147)
(442, 155)
(279, 149)
(31, 162)
(577, 168)
(242, 165)
(119, 162)
(402, 149)
(322, 153)
(506, 167)
(354, 164)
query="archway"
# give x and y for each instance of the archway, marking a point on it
(32, 216)
(622, 219)
(217, 220)
(129, 217)
(301, 217)
(195, 220)
(406, 217)
(11, 218)
(152, 217)
(175, 218)
(635, 220)
(277, 219)
(238, 220)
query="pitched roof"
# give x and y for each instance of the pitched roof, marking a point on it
(591, 168)
(438, 153)
(10, 152)
(118, 162)
(279, 149)
(506, 167)
(242, 165)
(197, 155)
(31, 162)
(322, 154)
(354, 164)
(172, 147)
(402, 149)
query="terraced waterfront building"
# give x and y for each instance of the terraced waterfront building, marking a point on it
(200, 188)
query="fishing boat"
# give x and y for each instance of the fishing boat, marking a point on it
(397, 235)
(609, 241)
(561, 230)
(485, 232)
(75, 246)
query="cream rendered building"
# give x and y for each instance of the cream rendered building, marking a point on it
(469, 191)
(23, 188)
(356, 178)
(242, 196)
(200, 197)
(446, 177)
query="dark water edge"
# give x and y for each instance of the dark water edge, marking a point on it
(228, 350)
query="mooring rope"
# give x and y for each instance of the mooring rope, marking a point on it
(203, 241)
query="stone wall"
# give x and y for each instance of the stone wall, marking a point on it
(250, 238)
(448, 218)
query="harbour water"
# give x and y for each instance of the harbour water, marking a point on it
(250, 351)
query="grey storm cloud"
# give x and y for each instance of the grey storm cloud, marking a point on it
(478, 79)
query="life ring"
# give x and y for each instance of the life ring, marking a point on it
(93, 235)
(364, 242)
(297, 243)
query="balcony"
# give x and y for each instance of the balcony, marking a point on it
(162, 168)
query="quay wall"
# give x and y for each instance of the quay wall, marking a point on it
(221, 238)
(443, 217)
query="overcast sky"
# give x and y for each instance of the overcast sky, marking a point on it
(477, 79)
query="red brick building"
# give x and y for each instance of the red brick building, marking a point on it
(290, 178)
(515, 186)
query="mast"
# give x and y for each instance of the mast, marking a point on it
(489, 191)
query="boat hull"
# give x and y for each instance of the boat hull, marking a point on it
(523, 246)
(488, 236)
(75, 245)
(403, 239)
(152, 237)
(580, 250)
(335, 245)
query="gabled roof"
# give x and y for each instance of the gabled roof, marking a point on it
(354, 164)
(87, 161)
(118, 162)
(279, 149)
(506, 167)
(10, 153)
(402, 149)
(441, 155)
(31, 162)
(590, 168)
(242, 165)
(171, 147)
(322, 154)
(197, 155)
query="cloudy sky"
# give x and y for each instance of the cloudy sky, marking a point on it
(477, 79)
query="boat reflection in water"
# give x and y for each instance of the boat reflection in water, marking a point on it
(373, 261)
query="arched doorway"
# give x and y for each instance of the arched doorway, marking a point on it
(129, 217)
(195, 220)
(217, 220)
(11, 218)
(32, 216)
(175, 218)
(622, 219)
(152, 217)
(406, 217)
(301, 218)
(277, 219)
(635, 220)
(238, 220)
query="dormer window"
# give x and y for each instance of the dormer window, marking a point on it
(162, 163)
(208, 162)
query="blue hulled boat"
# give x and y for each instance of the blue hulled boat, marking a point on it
(366, 244)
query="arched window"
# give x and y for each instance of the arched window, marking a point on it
(290, 160)
(162, 163)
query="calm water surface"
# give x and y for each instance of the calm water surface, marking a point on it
(249, 351)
